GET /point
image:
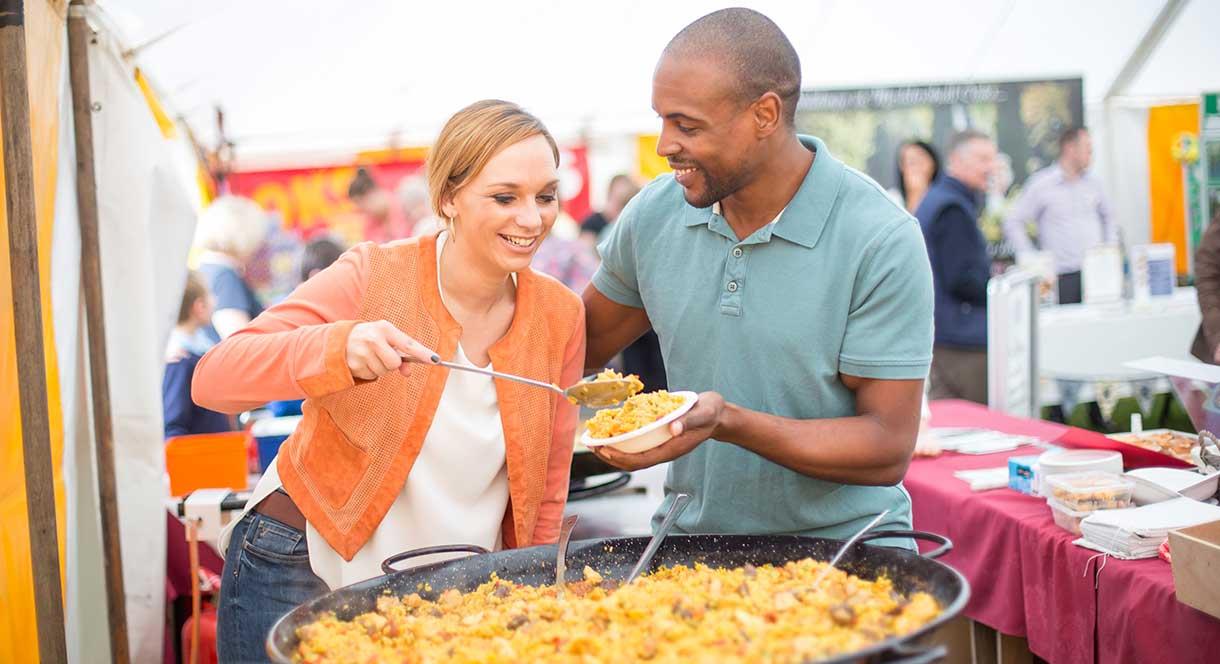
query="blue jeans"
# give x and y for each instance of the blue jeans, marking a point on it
(267, 574)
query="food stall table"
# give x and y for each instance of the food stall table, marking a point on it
(1029, 580)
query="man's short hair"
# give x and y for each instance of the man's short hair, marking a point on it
(362, 183)
(753, 48)
(1070, 135)
(963, 137)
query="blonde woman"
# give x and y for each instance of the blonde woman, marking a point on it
(231, 230)
(392, 454)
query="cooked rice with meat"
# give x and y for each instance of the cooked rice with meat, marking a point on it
(677, 614)
(611, 374)
(633, 382)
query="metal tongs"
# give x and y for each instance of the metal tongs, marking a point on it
(1209, 452)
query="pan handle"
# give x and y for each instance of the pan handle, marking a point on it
(617, 482)
(387, 566)
(945, 544)
(904, 654)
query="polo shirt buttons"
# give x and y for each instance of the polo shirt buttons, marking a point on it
(737, 252)
(732, 286)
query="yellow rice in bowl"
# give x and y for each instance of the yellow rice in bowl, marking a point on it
(638, 411)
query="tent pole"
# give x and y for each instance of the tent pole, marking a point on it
(1147, 45)
(27, 324)
(79, 36)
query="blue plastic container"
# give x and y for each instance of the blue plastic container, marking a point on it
(1021, 473)
(269, 434)
(285, 408)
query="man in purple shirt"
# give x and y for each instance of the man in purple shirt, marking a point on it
(1066, 204)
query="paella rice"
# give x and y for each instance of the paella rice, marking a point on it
(634, 384)
(638, 411)
(611, 374)
(677, 614)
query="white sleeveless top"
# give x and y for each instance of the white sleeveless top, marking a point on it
(457, 492)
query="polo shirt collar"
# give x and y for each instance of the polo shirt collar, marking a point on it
(804, 218)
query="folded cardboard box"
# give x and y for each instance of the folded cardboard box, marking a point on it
(1196, 566)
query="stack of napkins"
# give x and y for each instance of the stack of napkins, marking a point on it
(984, 479)
(1136, 532)
(979, 441)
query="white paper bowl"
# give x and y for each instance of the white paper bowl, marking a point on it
(1159, 484)
(646, 437)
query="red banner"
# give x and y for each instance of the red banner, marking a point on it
(313, 200)
(574, 181)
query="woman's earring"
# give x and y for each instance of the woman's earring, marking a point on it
(452, 229)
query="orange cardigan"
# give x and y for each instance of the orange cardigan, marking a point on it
(353, 450)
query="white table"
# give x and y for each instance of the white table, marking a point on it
(1091, 343)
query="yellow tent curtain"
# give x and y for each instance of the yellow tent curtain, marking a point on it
(44, 25)
(1168, 214)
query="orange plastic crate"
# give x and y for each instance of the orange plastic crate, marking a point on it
(206, 461)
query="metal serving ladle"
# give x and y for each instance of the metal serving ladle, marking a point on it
(588, 392)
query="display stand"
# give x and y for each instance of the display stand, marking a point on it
(1012, 357)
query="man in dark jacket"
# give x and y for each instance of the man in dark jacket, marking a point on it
(1207, 283)
(961, 267)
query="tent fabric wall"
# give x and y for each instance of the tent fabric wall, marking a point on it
(146, 219)
(1120, 135)
(1168, 215)
(301, 98)
(45, 49)
(87, 634)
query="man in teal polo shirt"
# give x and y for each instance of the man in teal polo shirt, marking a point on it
(785, 287)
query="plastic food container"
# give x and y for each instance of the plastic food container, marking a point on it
(1177, 444)
(1063, 461)
(1088, 491)
(1065, 517)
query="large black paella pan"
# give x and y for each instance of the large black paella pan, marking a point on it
(613, 558)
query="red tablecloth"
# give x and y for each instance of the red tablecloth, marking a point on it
(1028, 579)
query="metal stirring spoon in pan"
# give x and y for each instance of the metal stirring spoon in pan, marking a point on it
(680, 502)
(561, 562)
(847, 545)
